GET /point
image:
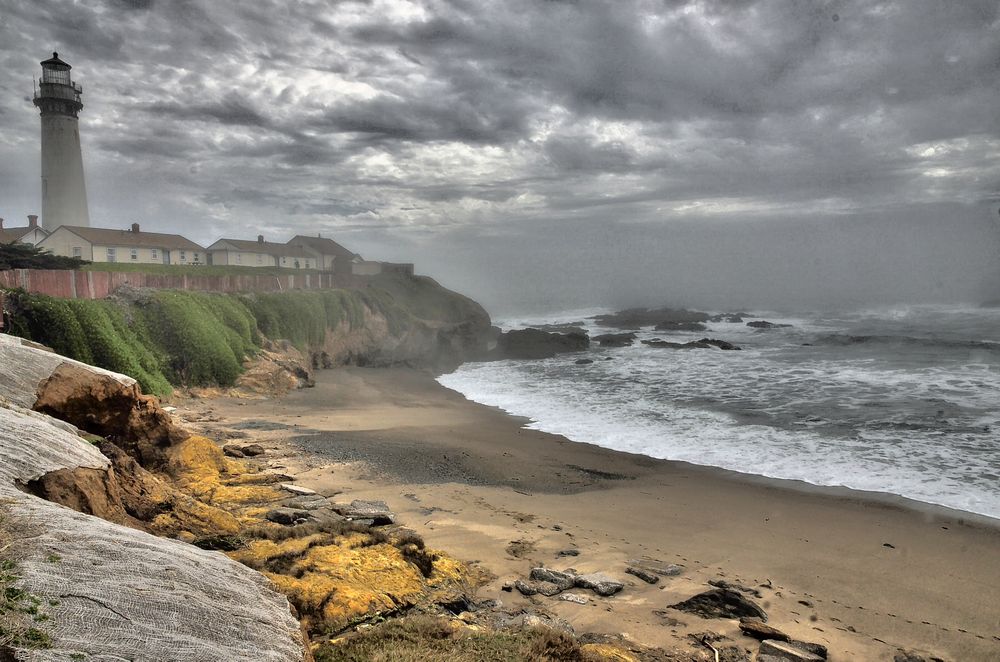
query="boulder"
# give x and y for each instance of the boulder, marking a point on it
(615, 339)
(644, 575)
(535, 344)
(599, 583)
(680, 326)
(734, 586)
(232, 450)
(573, 327)
(658, 567)
(297, 489)
(721, 603)
(759, 630)
(704, 343)
(564, 580)
(287, 516)
(252, 450)
(773, 651)
(730, 318)
(376, 511)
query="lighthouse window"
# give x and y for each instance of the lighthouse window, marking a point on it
(54, 76)
(134, 254)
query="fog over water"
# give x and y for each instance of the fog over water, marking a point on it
(545, 155)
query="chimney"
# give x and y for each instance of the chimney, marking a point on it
(32, 220)
(260, 239)
(135, 228)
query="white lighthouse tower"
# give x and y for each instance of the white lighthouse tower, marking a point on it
(64, 194)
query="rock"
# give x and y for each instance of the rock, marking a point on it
(233, 450)
(644, 575)
(376, 511)
(763, 324)
(548, 589)
(507, 587)
(526, 588)
(722, 583)
(573, 327)
(913, 656)
(535, 344)
(575, 598)
(759, 630)
(680, 326)
(721, 603)
(659, 567)
(568, 552)
(730, 318)
(564, 580)
(615, 339)
(704, 343)
(599, 583)
(122, 583)
(583, 361)
(287, 516)
(633, 318)
(786, 652)
(252, 450)
(297, 489)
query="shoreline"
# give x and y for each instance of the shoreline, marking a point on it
(878, 572)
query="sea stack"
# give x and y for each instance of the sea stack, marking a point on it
(64, 194)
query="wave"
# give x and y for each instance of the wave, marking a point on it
(847, 339)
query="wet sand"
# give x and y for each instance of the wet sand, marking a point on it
(863, 574)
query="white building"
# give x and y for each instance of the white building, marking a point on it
(127, 246)
(29, 234)
(260, 253)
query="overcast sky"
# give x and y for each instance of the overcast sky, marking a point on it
(545, 152)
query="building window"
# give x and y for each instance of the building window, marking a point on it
(154, 254)
(112, 255)
(184, 256)
(239, 258)
(196, 257)
(77, 251)
(260, 259)
(134, 254)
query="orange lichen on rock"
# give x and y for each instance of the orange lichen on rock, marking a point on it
(345, 579)
(607, 652)
(201, 469)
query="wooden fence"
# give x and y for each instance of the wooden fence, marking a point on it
(99, 284)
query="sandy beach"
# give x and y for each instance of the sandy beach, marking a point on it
(863, 574)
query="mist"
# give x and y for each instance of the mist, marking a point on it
(941, 254)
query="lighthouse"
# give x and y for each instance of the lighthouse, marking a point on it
(64, 194)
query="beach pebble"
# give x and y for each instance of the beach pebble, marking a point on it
(575, 597)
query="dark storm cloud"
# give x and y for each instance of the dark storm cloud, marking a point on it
(434, 118)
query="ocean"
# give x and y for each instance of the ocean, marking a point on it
(904, 400)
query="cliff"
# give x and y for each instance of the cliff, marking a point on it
(91, 589)
(166, 338)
